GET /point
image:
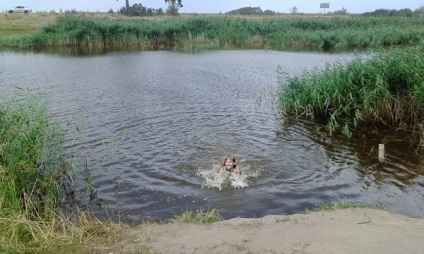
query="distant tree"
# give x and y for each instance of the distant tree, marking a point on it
(173, 6)
(269, 12)
(419, 11)
(405, 12)
(134, 10)
(127, 3)
(140, 10)
(384, 12)
(172, 9)
(247, 10)
(342, 11)
(73, 11)
(177, 3)
(294, 10)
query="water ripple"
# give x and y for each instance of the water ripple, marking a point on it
(143, 126)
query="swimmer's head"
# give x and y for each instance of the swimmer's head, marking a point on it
(230, 162)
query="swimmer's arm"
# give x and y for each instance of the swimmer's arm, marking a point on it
(237, 171)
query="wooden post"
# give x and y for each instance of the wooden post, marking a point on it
(381, 155)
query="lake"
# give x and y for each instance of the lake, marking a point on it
(148, 131)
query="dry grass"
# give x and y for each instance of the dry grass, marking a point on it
(17, 23)
(89, 235)
(85, 234)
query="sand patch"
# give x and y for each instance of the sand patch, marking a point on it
(354, 230)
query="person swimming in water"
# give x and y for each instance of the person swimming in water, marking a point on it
(230, 166)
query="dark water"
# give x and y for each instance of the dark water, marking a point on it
(149, 124)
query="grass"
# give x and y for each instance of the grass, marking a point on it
(34, 179)
(221, 31)
(339, 205)
(86, 234)
(19, 24)
(385, 91)
(32, 173)
(198, 217)
(30, 158)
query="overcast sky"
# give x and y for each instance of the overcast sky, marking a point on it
(216, 6)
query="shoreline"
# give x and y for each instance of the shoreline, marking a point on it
(352, 230)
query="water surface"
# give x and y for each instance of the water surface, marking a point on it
(151, 125)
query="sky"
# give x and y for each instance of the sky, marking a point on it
(217, 6)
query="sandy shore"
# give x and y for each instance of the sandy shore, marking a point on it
(354, 230)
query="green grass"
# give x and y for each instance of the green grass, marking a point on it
(339, 205)
(225, 31)
(34, 179)
(198, 217)
(385, 91)
(32, 171)
(30, 151)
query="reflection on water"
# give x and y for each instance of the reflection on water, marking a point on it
(151, 128)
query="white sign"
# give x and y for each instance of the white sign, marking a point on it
(324, 5)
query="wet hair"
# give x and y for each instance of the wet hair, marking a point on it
(232, 158)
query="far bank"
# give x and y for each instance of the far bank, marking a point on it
(194, 32)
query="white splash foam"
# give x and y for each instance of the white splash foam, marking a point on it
(214, 179)
(238, 181)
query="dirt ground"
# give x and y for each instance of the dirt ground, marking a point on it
(354, 230)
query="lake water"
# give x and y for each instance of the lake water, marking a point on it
(149, 129)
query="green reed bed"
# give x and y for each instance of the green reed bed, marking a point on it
(225, 31)
(31, 173)
(386, 90)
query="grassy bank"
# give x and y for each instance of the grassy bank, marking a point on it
(35, 179)
(24, 24)
(386, 91)
(32, 173)
(224, 31)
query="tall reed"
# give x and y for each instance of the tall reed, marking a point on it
(386, 90)
(31, 173)
(225, 31)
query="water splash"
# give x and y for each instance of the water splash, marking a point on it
(238, 181)
(214, 179)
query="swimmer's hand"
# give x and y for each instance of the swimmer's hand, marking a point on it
(222, 170)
